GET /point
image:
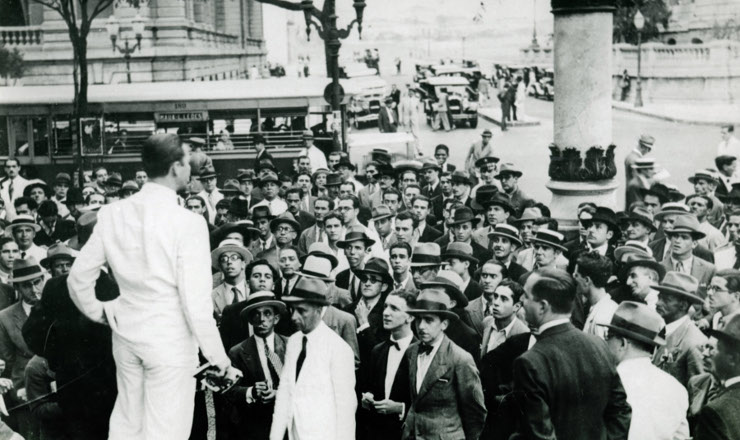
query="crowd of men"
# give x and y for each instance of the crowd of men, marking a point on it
(425, 302)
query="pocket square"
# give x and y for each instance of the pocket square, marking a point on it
(443, 380)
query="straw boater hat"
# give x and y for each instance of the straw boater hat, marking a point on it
(686, 224)
(681, 285)
(229, 245)
(644, 163)
(262, 298)
(506, 169)
(632, 247)
(550, 238)
(450, 282)
(317, 266)
(506, 231)
(672, 208)
(705, 175)
(647, 140)
(309, 290)
(426, 254)
(57, 251)
(24, 270)
(458, 249)
(322, 250)
(636, 321)
(21, 220)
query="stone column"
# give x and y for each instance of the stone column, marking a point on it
(582, 112)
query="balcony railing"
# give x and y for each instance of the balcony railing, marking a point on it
(21, 35)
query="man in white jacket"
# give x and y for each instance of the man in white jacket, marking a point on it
(158, 253)
(316, 397)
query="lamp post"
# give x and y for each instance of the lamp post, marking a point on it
(332, 37)
(113, 27)
(639, 22)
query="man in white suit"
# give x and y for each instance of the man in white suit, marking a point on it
(158, 253)
(12, 186)
(316, 397)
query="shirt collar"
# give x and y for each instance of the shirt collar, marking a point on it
(158, 190)
(732, 381)
(640, 364)
(404, 342)
(507, 329)
(639, 153)
(270, 339)
(551, 324)
(673, 326)
(601, 249)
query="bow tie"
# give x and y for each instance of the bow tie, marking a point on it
(425, 348)
(394, 344)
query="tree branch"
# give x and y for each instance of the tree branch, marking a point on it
(53, 5)
(286, 4)
(100, 7)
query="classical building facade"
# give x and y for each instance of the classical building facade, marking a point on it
(183, 40)
(701, 21)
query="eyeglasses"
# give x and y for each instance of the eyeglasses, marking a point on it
(226, 258)
(370, 279)
(716, 289)
(285, 229)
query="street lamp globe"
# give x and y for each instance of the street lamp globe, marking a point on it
(639, 21)
(112, 26)
(138, 25)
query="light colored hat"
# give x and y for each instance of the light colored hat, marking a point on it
(229, 245)
(21, 220)
(550, 238)
(426, 254)
(311, 290)
(24, 270)
(317, 266)
(506, 231)
(260, 299)
(57, 251)
(637, 321)
(680, 284)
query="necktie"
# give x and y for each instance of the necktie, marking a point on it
(429, 189)
(321, 236)
(353, 290)
(737, 259)
(489, 310)
(425, 348)
(274, 364)
(235, 291)
(301, 358)
(679, 267)
(262, 245)
(10, 191)
(286, 289)
(23, 255)
(394, 344)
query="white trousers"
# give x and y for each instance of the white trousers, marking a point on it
(155, 401)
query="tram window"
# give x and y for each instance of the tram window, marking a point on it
(63, 135)
(124, 134)
(4, 150)
(92, 142)
(22, 146)
(40, 137)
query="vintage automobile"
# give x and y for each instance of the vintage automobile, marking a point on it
(544, 87)
(462, 100)
(397, 147)
(364, 107)
(471, 73)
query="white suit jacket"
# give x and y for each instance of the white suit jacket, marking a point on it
(159, 254)
(19, 185)
(322, 403)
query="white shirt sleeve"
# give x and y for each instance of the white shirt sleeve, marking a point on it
(84, 274)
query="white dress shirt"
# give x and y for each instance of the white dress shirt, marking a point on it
(424, 361)
(659, 402)
(160, 256)
(211, 200)
(34, 251)
(395, 355)
(731, 381)
(600, 313)
(499, 336)
(601, 250)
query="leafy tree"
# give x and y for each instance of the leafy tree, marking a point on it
(11, 64)
(655, 12)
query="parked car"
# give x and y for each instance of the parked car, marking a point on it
(462, 99)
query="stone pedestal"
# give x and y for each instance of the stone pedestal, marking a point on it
(582, 104)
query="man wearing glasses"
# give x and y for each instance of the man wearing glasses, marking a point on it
(441, 153)
(231, 258)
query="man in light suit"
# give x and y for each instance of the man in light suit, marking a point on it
(316, 233)
(12, 186)
(725, 257)
(316, 398)
(683, 237)
(366, 193)
(566, 385)
(445, 389)
(644, 146)
(480, 309)
(681, 355)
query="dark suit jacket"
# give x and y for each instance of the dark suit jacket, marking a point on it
(567, 387)
(305, 219)
(342, 281)
(461, 332)
(719, 419)
(479, 252)
(250, 421)
(449, 403)
(497, 378)
(63, 231)
(373, 335)
(384, 123)
(436, 192)
(13, 349)
(473, 290)
(516, 271)
(7, 296)
(373, 425)
(658, 248)
(430, 234)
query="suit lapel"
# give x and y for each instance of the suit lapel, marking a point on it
(19, 315)
(252, 359)
(413, 354)
(477, 309)
(437, 368)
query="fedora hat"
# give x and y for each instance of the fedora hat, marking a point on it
(506, 231)
(24, 270)
(355, 234)
(231, 186)
(207, 171)
(460, 177)
(636, 321)
(386, 170)
(260, 212)
(604, 215)
(674, 194)
(672, 208)
(508, 168)
(460, 250)
(243, 175)
(639, 260)
(114, 180)
(529, 214)
(262, 298)
(285, 218)
(642, 215)
(320, 249)
(317, 266)
(381, 211)
(129, 185)
(311, 290)
(333, 179)
(550, 238)
(686, 224)
(57, 251)
(377, 266)
(632, 247)
(21, 220)
(426, 254)
(486, 160)
(502, 200)
(427, 307)
(658, 190)
(345, 162)
(450, 282)
(463, 215)
(647, 140)
(74, 197)
(268, 177)
(244, 227)
(483, 196)
(430, 165)
(62, 178)
(229, 245)
(319, 172)
(239, 207)
(680, 284)
(44, 187)
(706, 175)
(730, 332)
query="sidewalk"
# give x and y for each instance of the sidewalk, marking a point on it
(493, 115)
(699, 114)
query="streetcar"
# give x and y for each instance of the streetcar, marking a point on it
(36, 122)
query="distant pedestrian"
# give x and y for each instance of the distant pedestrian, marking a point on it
(504, 98)
(624, 84)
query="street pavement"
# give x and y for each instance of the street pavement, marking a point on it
(680, 148)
